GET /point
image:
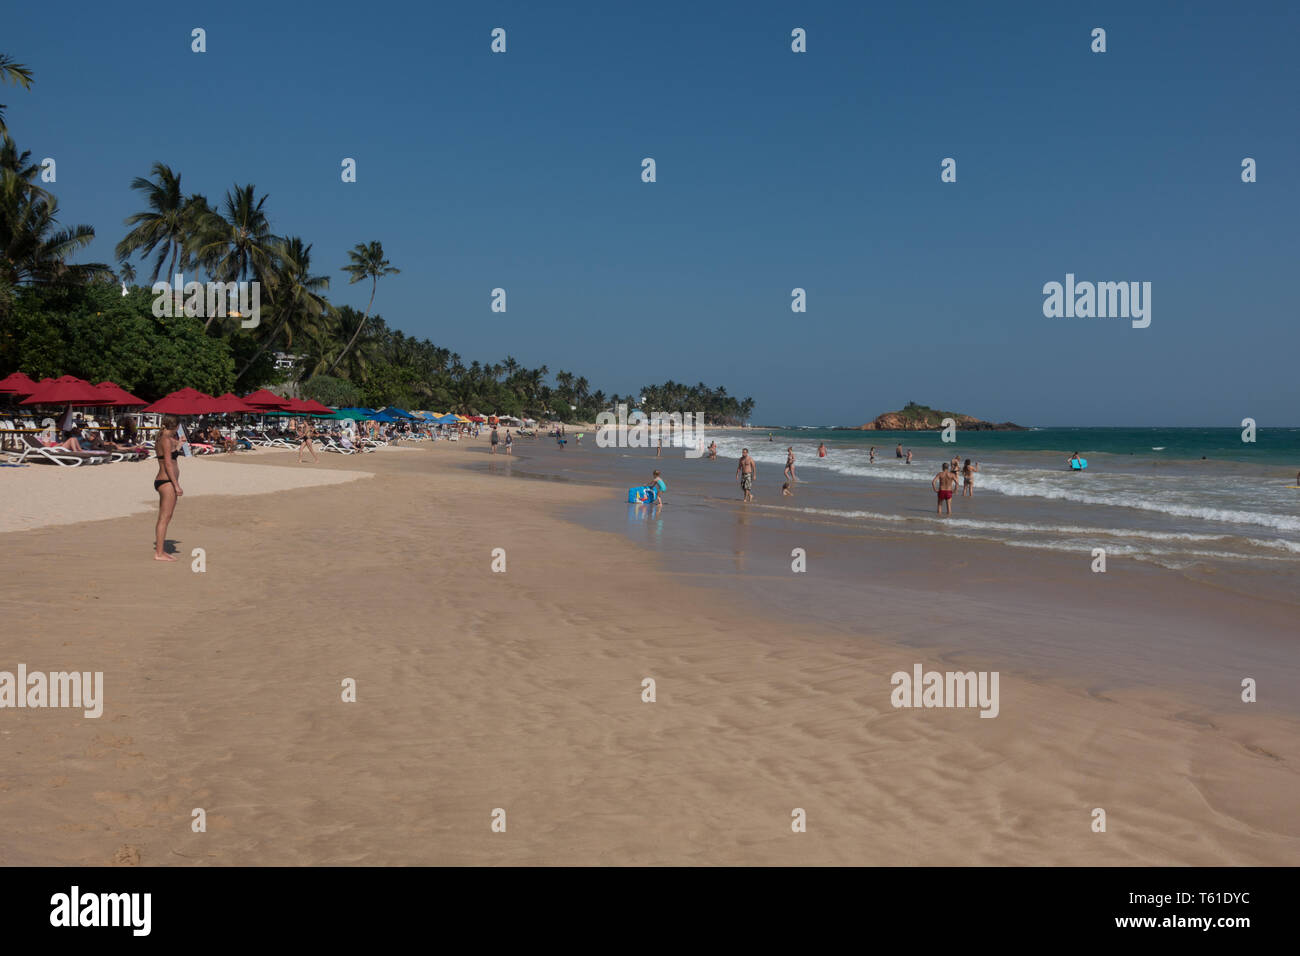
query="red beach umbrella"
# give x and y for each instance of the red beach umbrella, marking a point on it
(17, 384)
(231, 402)
(115, 394)
(185, 401)
(68, 390)
(313, 407)
(267, 401)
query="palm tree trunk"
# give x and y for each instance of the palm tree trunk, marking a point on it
(374, 284)
(263, 347)
(171, 274)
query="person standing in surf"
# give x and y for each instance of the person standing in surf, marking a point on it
(747, 471)
(944, 483)
(789, 464)
(968, 479)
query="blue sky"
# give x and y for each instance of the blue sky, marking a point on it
(776, 170)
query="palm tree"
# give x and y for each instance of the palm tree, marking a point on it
(368, 262)
(294, 293)
(164, 226)
(32, 248)
(235, 244)
(564, 385)
(17, 74)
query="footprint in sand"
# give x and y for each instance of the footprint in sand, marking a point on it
(127, 855)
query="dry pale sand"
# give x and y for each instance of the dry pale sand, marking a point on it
(523, 691)
(42, 494)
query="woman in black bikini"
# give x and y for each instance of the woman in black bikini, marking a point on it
(167, 484)
(306, 433)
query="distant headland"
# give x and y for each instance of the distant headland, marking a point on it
(915, 418)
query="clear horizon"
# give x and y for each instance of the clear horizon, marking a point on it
(775, 170)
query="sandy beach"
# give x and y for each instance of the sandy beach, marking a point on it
(39, 496)
(523, 691)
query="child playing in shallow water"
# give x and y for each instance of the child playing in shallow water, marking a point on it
(659, 485)
(786, 490)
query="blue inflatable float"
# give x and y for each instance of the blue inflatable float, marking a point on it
(646, 493)
(1078, 464)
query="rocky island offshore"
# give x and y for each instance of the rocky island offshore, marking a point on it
(916, 418)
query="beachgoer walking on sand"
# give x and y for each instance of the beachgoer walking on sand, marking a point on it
(494, 439)
(659, 452)
(944, 483)
(821, 450)
(510, 442)
(789, 463)
(306, 432)
(747, 471)
(968, 479)
(167, 483)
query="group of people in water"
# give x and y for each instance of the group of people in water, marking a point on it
(944, 483)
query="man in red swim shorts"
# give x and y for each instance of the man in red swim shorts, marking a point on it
(944, 483)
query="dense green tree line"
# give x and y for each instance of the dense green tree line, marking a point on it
(59, 317)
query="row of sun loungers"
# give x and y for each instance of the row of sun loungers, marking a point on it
(32, 449)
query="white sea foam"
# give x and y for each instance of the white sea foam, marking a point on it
(1196, 497)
